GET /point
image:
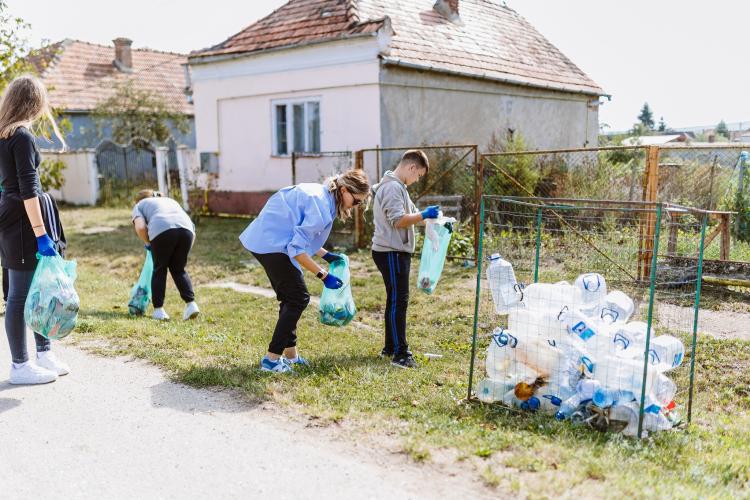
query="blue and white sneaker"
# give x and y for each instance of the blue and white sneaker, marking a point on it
(278, 366)
(299, 360)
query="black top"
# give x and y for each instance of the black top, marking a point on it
(19, 161)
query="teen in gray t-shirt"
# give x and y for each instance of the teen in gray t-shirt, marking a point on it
(161, 214)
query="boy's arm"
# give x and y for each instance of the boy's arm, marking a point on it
(408, 220)
(393, 204)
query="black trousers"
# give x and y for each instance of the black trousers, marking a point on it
(170, 251)
(395, 268)
(292, 294)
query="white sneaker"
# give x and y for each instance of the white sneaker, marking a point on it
(160, 314)
(28, 373)
(191, 311)
(48, 360)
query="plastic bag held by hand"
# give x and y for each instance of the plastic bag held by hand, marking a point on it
(140, 294)
(437, 236)
(337, 305)
(52, 304)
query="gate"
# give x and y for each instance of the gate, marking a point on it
(124, 170)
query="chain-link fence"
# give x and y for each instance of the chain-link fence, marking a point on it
(570, 321)
(452, 183)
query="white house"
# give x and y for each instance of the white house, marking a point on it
(333, 75)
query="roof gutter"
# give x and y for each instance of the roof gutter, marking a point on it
(197, 59)
(425, 67)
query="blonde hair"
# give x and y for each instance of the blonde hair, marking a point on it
(24, 102)
(356, 182)
(147, 193)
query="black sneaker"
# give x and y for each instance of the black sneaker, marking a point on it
(404, 361)
(385, 353)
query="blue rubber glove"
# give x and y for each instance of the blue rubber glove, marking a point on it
(431, 212)
(331, 257)
(147, 246)
(332, 282)
(45, 246)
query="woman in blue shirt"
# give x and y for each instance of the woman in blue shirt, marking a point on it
(293, 225)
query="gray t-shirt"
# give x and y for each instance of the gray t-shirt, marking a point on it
(162, 214)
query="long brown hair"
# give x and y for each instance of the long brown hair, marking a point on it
(355, 181)
(24, 102)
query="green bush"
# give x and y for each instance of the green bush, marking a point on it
(51, 174)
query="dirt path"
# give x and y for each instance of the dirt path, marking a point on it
(719, 324)
(117, 428)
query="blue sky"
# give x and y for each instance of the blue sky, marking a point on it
(685, 57)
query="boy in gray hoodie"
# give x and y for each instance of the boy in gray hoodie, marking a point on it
(393, 243)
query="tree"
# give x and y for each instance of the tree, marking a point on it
(662, 125)
(721, 129)
(138, 114)
(646, 117)
(14, 47)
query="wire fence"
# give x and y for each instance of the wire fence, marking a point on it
(596, 320)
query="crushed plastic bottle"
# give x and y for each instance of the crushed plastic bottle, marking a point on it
(491, 390)
(666, 352)
(503, 285)
(551, 296)
(623, 374)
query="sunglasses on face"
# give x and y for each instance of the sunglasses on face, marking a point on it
(356, 202)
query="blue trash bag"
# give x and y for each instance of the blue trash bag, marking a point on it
(140, 294)
(437, 236)
(337, 306)
(51, 308)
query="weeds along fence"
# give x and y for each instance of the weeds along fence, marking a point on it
(551, 335)
(452, 183)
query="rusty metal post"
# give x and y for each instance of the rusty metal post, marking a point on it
(478, 193)
(725, 237)
(294, 168)
(359, 215)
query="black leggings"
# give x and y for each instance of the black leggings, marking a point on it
(395, 268)
(170, 251)
(19, 282)
(291, 292)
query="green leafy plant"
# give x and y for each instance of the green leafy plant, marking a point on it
(51, 174)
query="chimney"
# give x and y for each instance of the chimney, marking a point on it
(123, 55)
(449, 10)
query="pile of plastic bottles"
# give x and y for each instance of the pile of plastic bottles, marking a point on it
(52, 304)
(572, 351)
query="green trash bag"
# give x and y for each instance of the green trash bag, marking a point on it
(437, 236)
(140, 294)
(51, 308)
(337, 306)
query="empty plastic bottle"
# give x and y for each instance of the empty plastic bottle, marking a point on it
(630, 338)
(490, 390)
(551, 296)
(543, 323)
(666, 352)
(568, 406)
(580, 324)
(663, 391)
(503, 362)
(616, 307)
(627, 413)
(592, 287)
(503, 285)
(623, 374)
(604, 398)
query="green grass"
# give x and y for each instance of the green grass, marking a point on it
(522, 454)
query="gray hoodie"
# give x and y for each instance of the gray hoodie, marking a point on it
(391, 202)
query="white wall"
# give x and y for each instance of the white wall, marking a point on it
(81, 177)
(233, 106)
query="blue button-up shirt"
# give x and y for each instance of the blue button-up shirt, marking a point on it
(295, 220)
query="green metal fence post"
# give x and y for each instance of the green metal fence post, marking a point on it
(698, 284)
(538, 243)
(476, 299)
(651, 293)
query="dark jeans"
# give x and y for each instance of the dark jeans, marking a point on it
(170, 251)
(291, 292)
(395, 268)
(15, 324)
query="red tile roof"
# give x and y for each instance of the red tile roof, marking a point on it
(494, 41)
(81, 74)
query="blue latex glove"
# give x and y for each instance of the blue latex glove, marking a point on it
(431, 212)
(331, 257)
(45, 246)
(332, 282)
(147, 246)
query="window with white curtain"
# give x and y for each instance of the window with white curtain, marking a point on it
(296, 126)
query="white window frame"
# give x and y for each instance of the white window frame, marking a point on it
(289, 103)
